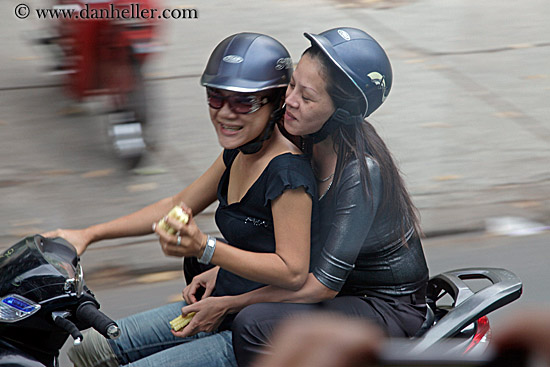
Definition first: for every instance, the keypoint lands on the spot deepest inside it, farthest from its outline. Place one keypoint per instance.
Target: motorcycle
(457, 332)
(43, 300)
(458, 304)
(102, 53)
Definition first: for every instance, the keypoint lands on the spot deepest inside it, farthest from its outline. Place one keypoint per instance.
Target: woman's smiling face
(308, 105)
(235, 129)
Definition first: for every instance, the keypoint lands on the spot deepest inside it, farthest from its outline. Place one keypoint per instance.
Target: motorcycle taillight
(483, 331)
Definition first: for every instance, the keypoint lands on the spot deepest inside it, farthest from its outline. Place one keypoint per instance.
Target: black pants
(254, 325)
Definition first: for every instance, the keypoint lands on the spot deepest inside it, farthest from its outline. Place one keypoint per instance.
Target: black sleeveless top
(248, 224)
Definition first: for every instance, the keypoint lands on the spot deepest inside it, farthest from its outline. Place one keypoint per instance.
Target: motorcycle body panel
(463, 318)
(41, 276)
(12, 356)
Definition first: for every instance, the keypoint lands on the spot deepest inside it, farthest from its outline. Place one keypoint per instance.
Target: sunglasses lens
(242, 104)
(215, 100)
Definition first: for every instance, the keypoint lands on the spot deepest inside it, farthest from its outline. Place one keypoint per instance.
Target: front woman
(372, 264)
(265, 188)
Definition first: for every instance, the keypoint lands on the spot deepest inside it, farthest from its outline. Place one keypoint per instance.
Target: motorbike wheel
(127, 120)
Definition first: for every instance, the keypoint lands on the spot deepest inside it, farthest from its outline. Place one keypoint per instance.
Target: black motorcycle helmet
(363, 62)
(248, 63)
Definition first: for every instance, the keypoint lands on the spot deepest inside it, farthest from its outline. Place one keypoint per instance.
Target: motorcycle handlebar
(68, 326)
(87, 312)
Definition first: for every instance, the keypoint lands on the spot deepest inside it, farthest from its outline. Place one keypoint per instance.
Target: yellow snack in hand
(176, 213)
(180, 322)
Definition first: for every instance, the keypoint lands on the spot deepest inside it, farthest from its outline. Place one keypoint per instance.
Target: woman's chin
(229, 143)
(293, 129)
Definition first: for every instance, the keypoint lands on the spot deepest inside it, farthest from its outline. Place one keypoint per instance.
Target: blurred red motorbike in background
(101, 47)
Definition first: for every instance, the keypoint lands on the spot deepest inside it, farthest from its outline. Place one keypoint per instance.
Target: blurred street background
(468, 121)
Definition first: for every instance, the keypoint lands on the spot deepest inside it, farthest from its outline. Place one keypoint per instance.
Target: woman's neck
(275, 145)
(324, 158)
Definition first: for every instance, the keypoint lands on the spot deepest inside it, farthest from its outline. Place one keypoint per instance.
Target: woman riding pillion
(372, 264)
(265, 188)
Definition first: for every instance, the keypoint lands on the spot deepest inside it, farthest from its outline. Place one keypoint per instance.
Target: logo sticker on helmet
(233, 59)
(345, 35)
(378, 80)
(283, 63)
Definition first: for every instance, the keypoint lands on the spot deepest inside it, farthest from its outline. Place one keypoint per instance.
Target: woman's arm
(354, 213)
(287, 267)
(211, 311)
(312, 291)
(197, 196)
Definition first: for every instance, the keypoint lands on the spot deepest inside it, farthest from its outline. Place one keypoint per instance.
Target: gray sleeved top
(361, 252)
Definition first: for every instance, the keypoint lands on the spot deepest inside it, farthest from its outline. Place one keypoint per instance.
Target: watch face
(208, 251)
(211, 241)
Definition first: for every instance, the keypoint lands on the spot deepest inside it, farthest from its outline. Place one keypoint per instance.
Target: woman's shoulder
(290, 162)
(286, 158)
(289, 171)
(352, 177)
(353, 168)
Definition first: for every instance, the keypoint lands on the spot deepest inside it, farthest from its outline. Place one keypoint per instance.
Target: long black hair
(360, 140)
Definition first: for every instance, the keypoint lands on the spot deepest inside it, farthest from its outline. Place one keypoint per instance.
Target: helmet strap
(255, 145)
(338, 118)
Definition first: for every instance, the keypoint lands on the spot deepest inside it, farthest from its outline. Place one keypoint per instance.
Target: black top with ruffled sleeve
(248, 224)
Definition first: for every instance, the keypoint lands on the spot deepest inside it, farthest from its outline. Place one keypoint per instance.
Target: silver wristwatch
(208, 250)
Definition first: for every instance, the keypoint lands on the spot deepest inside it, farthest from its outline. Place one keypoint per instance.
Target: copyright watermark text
(105, 11)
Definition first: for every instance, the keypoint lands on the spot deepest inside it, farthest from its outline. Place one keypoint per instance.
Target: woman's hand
(206, 280)
(210, 312)
(188, 240)
(76, 237)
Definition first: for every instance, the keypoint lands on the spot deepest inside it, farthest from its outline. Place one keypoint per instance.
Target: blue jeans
(146, 341)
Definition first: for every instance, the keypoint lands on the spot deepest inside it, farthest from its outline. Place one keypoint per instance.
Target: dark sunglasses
(238, 103)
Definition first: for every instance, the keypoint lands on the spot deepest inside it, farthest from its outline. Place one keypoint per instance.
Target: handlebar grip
(87, 312)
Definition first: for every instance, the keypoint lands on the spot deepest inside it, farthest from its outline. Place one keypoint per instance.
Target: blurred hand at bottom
(529, 331)
(323, 340)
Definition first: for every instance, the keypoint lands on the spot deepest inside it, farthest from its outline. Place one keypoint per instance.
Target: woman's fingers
(178, 238)
(77, 238)
(178, 226)
(191, 328)
(51, 234)
(175, 245)
(186, 209)
(207, 291)
(189, 293)
(207, 318)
